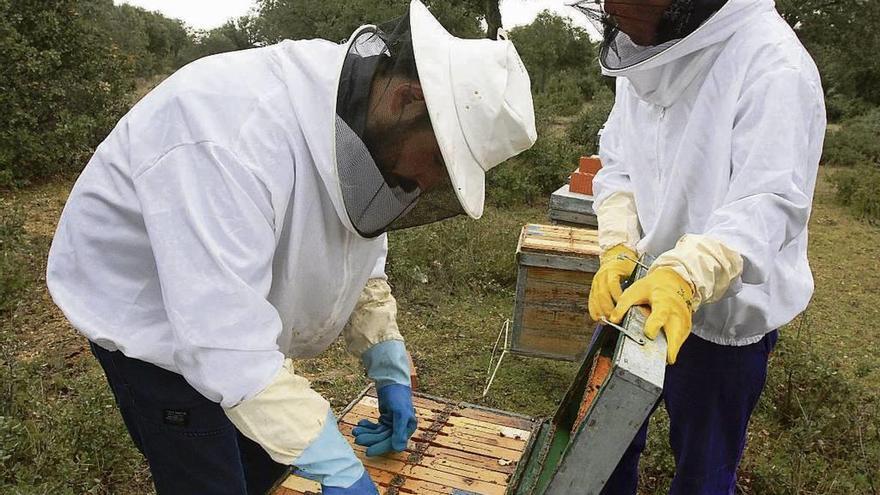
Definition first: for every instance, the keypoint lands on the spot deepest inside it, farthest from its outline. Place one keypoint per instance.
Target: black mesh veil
(673, 23)
(391, 172)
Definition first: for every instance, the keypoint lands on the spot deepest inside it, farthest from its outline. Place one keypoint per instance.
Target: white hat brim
(431, 47)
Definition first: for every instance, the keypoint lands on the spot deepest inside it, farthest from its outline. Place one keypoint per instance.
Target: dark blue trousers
(190, 444)
(710, 394)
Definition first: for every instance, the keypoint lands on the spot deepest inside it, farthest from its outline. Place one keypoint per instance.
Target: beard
(385, 142)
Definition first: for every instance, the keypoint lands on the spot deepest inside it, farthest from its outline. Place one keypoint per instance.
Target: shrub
(563, 96)
(535, 173)
(856, 141)
(859, 189)
(840, 107)
(585, 129)
(13, 277)
(64, 86)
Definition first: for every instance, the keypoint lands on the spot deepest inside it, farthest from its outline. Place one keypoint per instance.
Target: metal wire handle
(490, 373)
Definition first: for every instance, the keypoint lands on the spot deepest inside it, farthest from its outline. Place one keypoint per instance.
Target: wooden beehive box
(572, 204)
(555, 270)
(571, 208)
(458, 449)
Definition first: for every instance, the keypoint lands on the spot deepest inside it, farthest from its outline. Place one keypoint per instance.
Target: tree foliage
(151, 42)
(336, 20)
(63, 85)
(561, 61)
(843, 37)
(552, 44)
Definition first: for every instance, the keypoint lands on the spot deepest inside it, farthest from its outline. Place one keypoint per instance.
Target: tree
(335, 20)
(237, 34)
(63, 85)
(843, 37)
(552, 44)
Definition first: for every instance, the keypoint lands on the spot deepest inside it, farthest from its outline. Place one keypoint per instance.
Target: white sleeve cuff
(374, 319)
(284, 418)
(706, 263)
(618, 221)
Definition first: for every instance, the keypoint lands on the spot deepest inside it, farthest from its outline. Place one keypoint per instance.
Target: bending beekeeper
(235, 220)
(710, 159)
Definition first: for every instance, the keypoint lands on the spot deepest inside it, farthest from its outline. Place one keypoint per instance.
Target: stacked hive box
(572, 204)
(555, 270)
(457, 449)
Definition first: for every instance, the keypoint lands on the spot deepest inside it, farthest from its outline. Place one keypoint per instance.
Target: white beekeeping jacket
(721, 136)
(207, 234)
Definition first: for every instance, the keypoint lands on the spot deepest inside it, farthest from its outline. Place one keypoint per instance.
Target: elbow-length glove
(671, 299)
(618, 234)
(296, 427)
(330, 461)
(388, 365)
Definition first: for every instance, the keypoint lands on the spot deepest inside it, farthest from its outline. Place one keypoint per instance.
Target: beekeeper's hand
(388, 365)
(363, 486)
(671, 299)
(330, 460)
(617, 264)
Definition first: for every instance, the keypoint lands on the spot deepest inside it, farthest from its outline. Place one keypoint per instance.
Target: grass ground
(816, 430)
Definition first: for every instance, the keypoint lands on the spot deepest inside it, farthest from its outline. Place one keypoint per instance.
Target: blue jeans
(190, 444)
(710, 394)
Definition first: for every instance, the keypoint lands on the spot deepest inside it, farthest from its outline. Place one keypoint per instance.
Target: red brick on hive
(589, 165)
(582, 179)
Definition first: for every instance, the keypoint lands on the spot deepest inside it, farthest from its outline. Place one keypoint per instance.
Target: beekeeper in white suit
(234, 219)
(710, 158)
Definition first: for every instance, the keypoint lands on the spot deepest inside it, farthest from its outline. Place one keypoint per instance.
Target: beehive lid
(559, 240)
(559, 247)
(458, 449)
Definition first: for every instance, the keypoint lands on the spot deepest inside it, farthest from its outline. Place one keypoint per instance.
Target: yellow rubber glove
(671, 300)
(616, 265)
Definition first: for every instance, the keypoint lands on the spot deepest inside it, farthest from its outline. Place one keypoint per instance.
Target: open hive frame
(458, 449)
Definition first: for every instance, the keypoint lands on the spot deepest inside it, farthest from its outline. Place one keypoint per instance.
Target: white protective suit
(717, 142)
(208, 236)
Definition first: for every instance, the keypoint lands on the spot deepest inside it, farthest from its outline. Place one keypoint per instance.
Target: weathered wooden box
(571, 208)
(458, 449)
(556, 265)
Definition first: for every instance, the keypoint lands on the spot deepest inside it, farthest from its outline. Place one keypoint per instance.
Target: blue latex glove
(388, 366)
(363, 486)
(330, 460)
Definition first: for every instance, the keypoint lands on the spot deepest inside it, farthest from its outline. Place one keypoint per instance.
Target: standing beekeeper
(235, 219)
(710, 158)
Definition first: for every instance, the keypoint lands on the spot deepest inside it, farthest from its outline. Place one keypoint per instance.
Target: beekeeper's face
(637, 18)
(402, 140)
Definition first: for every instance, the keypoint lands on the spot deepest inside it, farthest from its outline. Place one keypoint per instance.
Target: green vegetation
(63, 83)
(816, 430)
(70, 66)
(842, 37)
(561, 61)
(853, 148)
